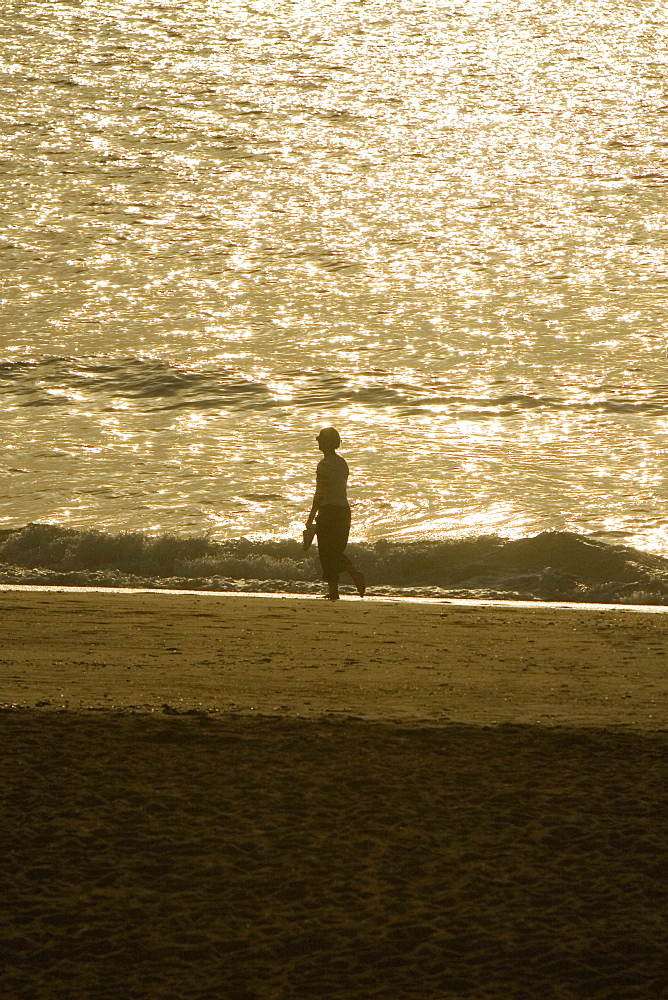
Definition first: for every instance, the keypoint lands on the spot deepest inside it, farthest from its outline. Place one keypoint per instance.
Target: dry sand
(271, 798)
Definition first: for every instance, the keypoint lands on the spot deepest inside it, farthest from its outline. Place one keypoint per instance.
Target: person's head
(329, 440)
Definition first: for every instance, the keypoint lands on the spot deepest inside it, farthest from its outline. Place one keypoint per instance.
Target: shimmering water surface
(439, 226)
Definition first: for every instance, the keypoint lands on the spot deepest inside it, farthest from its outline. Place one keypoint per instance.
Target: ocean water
(440, 227)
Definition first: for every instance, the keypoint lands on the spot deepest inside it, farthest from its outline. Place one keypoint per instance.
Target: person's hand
(307, 536)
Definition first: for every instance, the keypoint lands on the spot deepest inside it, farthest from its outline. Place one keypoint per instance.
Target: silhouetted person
(331, 513)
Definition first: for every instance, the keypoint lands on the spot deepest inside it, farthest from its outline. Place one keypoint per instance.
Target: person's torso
(333, 475)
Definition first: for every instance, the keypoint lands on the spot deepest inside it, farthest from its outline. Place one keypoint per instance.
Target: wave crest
(551, 566)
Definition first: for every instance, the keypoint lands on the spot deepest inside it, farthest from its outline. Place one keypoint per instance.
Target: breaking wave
(552, 566)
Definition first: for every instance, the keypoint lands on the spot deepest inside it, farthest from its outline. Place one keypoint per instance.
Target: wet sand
(422, 662)
(253, 798)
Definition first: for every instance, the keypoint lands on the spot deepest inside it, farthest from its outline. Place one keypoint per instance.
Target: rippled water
(441, 227)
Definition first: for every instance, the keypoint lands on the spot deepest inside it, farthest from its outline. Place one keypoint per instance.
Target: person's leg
(344, 563)
(356, 575)
(346, 566)
(329, 550)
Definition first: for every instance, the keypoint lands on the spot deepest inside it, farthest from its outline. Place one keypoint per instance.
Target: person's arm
(317, 500)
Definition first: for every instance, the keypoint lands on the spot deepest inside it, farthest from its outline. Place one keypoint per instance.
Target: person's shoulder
(332, 462)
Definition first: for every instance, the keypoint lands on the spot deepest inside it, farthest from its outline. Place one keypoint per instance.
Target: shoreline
(369, 598)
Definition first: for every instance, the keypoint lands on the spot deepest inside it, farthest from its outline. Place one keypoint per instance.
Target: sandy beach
(254, 797)
(420, 661)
